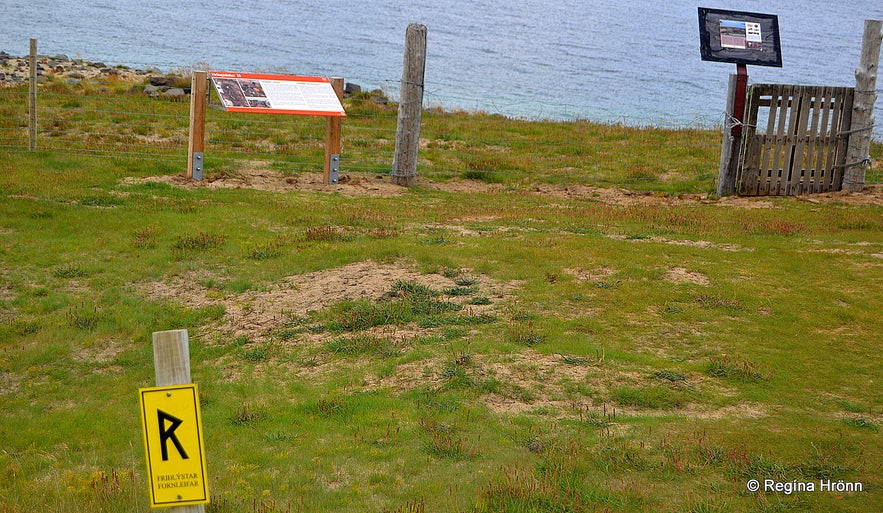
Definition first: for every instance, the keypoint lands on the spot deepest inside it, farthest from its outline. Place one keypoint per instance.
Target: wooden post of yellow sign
(172, 427)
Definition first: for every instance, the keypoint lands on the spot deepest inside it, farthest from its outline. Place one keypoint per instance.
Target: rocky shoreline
(15, 71)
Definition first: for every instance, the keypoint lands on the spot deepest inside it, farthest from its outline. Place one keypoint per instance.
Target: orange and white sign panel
(276, 94)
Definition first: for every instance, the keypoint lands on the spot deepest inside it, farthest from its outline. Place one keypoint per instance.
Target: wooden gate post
(196, 146)
(726, 181)
(171, 362)
(404, 164)
(332, 139)
(32, 97)
(858, 152)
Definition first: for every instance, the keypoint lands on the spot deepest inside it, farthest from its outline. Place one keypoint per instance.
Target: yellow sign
(173, 443)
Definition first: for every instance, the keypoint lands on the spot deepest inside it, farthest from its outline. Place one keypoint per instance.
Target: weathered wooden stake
(404, 164)
(196, 146)
(726, 181)
(32, 98)
(171, 362)
(858, 152)
(332, 139)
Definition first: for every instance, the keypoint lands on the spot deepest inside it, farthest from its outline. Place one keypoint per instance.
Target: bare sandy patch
(100, 352)
(692, 243)
(681, 275)
(256, 313)
(258, 175)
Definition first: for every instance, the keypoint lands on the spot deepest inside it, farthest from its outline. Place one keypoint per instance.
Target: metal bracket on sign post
(334, 168)
(197, 165)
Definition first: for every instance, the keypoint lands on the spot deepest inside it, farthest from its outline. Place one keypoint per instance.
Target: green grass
(535, 353)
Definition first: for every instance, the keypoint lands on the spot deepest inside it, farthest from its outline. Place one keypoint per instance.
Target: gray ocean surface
(625, 61)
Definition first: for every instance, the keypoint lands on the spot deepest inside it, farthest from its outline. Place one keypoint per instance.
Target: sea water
(625, 61)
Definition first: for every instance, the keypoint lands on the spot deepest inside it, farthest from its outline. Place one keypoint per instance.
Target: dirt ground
(257, 313)
(258, 175)
(530, 380)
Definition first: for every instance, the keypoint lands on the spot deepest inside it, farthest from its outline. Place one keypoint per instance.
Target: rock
(59, 69)
(76, 74)
(163, 81)
(62, 57)
(536, 446)
(351, 89)
(175, 92)
(99, 65)
(151, 91)
(4, 55)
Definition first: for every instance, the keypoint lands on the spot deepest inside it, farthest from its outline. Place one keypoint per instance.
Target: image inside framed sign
(739, 37)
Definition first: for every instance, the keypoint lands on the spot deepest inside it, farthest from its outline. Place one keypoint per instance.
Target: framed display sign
(739, 37)
(276, 94)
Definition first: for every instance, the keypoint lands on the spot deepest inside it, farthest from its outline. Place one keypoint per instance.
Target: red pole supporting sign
(739, 101)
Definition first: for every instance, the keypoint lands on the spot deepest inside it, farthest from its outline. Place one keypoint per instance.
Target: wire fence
(113, 119)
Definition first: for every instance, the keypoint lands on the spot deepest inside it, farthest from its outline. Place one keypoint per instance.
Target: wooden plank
(770, 143)
(832, 136)
(842, 146)
(801, 171)
(814, 172)
(790, 141)
(792, 171)
(754, 147)
(769, 147)
(778, 140)
(824, 141)
(747, 170)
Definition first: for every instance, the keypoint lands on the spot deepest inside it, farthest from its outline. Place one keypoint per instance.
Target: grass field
(519, 342)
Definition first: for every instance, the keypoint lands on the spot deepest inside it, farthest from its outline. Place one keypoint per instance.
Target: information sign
(739, 37)
(173, 444)
(276, 94)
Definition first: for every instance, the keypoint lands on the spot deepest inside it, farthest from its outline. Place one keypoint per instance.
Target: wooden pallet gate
(795, 139)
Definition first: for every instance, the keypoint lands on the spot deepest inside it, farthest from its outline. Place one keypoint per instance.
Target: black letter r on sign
(166, 434)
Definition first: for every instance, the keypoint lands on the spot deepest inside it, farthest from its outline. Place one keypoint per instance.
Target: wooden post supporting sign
(196, 146)
(332, 139)
(173, 430)
(263, 93)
